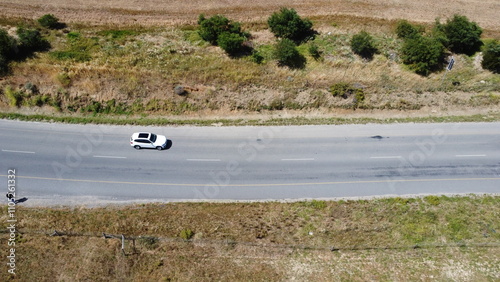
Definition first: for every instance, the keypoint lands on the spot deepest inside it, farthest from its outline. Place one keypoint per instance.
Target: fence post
(123, 245)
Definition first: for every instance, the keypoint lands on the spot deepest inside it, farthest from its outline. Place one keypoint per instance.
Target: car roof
(141, 135)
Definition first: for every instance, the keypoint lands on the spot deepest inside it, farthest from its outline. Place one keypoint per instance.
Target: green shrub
(422, 54)
(4, 65)
(462, 35)
(186, 234)
(94, 107)
(287, 24)
(287, 54)
(314, 51)
(257, 57)
(491, 56)
(405, 30)
(30, 41)
(14, 97)
(232, 43)
(50, 21)
(363, 45)
(346, 90)
(210, 29)
(8, 46)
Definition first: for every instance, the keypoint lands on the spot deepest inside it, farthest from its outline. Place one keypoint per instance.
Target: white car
(148, 140)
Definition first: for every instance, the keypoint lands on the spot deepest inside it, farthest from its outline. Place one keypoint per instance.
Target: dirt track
(158, 12)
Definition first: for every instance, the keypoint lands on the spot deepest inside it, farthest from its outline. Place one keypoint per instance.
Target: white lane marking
(203, 160)
(110, 157)
(305, 159)
(469, 156)
(22, 152)
(387, 157)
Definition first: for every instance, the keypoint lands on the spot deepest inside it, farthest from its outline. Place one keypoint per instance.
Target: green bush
(14, 97)
(491, 56)
(462, 35)
(287, 54)
(314, 51)
(30, 41)
(210, 29)
(8, 47)
(346, 90)
(8, 44)
(4, 65)
(363, 45)
(232, 43)
(186, 234)
(422, 54)
(50, 21)
(405, 30)
(257, 57)
(287, 24)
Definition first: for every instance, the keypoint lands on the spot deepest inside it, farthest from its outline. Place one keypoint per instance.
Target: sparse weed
(186, 234)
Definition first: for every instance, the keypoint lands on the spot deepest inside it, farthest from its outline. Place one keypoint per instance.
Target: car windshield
(152, 138)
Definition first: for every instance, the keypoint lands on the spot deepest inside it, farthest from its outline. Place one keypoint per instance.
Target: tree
(8, 48)
(287, 54)
(30, 41)
(462, 35)
(232, 43)
(491, 56)
(50, 21)
(287, 24)
(405, 30)
(363, 45)
(8, 44)
(422, 54)
(212, 28)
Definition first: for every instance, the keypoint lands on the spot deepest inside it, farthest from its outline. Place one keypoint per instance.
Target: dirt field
(156, 12)
(411, 239)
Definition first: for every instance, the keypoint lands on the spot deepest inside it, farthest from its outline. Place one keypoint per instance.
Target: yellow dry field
(155, 12)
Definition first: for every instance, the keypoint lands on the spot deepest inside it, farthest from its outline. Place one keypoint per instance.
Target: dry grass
(375, 240)
(146, 66)
(154, 12)
(163, 51)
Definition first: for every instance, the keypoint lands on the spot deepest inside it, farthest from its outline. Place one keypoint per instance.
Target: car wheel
(159, 148)
(137, 147)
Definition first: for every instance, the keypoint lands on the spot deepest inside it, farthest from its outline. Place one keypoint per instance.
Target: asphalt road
(85, 164)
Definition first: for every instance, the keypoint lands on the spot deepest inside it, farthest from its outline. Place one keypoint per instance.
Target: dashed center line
(469, 156)
(386, 157)
(22, 152)
(110, 157)
(203, 160)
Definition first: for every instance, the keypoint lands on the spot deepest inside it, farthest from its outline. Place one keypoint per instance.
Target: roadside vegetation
(226, 67)
(425, 238)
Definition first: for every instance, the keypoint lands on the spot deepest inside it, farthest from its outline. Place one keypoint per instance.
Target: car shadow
(169, 144)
